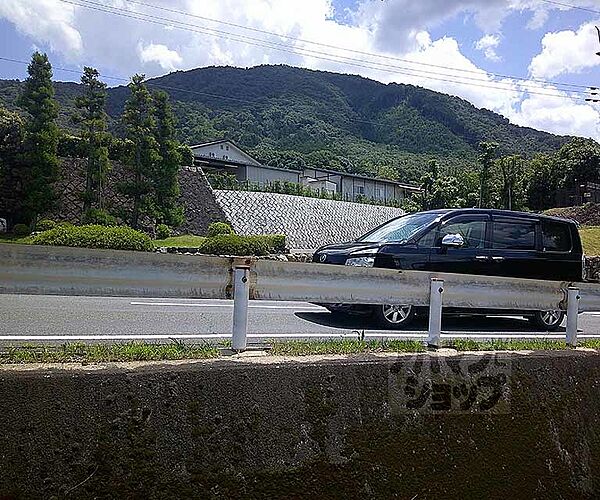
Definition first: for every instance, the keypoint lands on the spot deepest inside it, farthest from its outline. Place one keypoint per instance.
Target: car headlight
(361, 261)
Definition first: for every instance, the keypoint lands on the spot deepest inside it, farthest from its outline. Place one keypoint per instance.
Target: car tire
(548, 321)
(393, 316)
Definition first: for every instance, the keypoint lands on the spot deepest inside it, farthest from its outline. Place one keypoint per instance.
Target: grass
(11, 238)
(185, 240)
(139, 351)
(96, 353)
(590, 237)
(306, 347)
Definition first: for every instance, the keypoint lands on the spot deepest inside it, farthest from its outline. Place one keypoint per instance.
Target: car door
(560, 255)
(472, 257)
(514, 247)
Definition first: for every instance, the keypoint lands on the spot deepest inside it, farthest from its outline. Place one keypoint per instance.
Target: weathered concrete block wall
(593, 268)
(310, 429)
(307, 222)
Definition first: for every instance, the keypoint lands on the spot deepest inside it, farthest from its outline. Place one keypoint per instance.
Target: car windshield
(400, 229)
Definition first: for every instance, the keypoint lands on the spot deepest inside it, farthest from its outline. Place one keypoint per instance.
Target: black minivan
(467, 241)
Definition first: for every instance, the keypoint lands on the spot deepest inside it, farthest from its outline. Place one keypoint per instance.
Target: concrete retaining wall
(308, 223)
(318, 428)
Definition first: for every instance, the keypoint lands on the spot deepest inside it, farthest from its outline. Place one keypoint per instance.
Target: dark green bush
(186, 154)
(162, 232)
(233, 244)
(45, 224)
(95, 236)
(99, 217)
(217, 228)
(21, 229)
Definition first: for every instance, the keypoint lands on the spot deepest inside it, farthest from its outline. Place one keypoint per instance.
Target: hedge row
(94, 236)
(233, 244)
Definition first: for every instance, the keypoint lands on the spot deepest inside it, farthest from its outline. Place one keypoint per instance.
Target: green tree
(40, 167)
(542, 182)
(579, 160)
(486, 161)
(140, 127)
(164, 175)
(12, 133)
(511, 189)
(92, 118)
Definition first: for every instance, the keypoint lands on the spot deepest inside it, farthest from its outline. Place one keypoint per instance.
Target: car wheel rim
(550, 318)
(396, 314)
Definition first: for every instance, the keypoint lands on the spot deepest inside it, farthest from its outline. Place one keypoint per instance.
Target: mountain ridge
(286, 115)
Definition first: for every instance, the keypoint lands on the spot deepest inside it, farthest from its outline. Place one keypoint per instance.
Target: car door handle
(497, 258)
(481, 257)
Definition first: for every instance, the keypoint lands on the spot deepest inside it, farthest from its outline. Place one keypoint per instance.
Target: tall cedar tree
(40, 161)
(92, 118)
(140, 128)
(486, 160)
(164, 176)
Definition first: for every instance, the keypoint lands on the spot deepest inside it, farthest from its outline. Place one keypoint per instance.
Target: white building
(226, 156)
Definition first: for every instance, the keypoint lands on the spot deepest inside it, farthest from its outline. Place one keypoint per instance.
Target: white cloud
(567, 52)
(47, 21)
(558, 115)
(168, 59)
(390, 28)
(488, 45)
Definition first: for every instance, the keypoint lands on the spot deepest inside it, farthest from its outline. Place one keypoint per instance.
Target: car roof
(495, 211)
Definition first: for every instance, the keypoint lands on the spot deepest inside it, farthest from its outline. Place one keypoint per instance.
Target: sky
(530, 60)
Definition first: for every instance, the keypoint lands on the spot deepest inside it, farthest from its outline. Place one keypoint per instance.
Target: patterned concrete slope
(307, 222)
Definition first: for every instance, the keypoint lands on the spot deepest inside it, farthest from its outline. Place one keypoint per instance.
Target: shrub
(233, 244)
(217, 228)
(99, 217)
(45, 224)
(95, 236)
(21, 230)
(162, 232)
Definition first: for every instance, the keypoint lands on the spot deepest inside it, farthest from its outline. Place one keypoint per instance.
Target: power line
(370, 54)
(570, 6)
(311, 53)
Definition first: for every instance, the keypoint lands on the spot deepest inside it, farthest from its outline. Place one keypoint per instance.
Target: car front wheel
(394, 316)
(548, 320)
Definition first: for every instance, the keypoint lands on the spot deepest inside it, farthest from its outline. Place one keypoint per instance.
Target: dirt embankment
(586, 215)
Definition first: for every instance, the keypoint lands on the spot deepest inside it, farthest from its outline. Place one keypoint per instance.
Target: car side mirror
(453, 240)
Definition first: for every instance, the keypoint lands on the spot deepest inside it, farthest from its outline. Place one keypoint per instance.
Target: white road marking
(251, 306)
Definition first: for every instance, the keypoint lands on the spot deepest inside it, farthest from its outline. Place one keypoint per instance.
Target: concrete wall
(311, 429)
(307, 222)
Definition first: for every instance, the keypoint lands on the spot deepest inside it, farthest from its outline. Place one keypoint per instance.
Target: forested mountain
(289, 116)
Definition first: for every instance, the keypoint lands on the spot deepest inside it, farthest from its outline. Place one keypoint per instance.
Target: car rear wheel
(548, 320)
(394, 316)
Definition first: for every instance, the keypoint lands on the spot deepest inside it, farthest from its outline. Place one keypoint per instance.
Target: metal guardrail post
(435, 312)
(241, 296)
(573, 297)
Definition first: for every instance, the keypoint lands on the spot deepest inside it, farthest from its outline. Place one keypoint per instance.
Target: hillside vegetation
(291, 117)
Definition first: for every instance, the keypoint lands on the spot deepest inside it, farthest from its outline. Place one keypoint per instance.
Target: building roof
(251, 161)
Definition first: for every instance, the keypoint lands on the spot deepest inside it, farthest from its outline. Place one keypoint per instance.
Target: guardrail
(28, 269)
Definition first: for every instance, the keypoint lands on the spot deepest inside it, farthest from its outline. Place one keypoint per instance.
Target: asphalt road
(43, 317)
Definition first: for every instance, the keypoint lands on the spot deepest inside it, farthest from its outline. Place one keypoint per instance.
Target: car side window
(513, 234)
(428, 239)
(472, 232)
(556, 237)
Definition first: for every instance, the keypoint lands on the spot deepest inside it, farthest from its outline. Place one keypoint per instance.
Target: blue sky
(453, 46)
